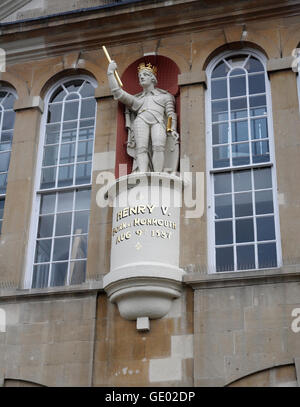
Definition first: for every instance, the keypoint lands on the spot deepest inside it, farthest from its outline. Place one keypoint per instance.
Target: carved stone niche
(145, 276)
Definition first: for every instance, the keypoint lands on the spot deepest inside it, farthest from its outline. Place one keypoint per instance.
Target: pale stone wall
(49, 340)
(243, 325)
(126, 357)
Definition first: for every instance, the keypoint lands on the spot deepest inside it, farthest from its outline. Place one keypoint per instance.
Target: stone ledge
(88, 287)
(103, 92)
(279, 64)
(284, 274)
(33, 102)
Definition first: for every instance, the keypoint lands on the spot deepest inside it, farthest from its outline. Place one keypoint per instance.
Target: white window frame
(10, 90)
(210, 171)
(38, 173)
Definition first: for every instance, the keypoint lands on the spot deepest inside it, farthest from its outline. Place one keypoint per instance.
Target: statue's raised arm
(151, 121)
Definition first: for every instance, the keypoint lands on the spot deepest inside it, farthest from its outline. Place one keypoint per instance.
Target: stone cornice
(115, 26)
(8, 7)
(284, 274)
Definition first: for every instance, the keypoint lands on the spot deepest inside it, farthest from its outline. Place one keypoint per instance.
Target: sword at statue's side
(109, 60)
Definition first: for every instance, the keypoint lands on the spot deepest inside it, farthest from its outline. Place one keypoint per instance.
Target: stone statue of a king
(151, 122)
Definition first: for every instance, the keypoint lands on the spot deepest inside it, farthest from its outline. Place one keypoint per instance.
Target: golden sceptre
(109, 60)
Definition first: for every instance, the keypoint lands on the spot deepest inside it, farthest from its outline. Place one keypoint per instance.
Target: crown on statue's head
(148, 67)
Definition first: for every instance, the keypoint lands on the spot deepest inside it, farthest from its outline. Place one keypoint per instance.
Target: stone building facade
(235, 323)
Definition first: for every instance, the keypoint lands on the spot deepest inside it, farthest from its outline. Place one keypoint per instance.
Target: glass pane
(236, 60)
(264, 202)
(239, 131)
(220, 70)
(262, 178)
(221, 157)
(237, 86)
(4, 161)
(237, 72)
(219, 89)
(220, 133)
(223, 232)
(61, 248)
(224, 259)
(65, 201)
(9, 101)
(87, 123)
(74, 86)
(265, 228)
(240, 154)
(260, 152)
(50, 156)
(59, 274)
(238, 108)
(85, 151)
(245, 257)
(244, 230)
(243, 204)
(6, 136)
(3, 183)
(81, 222)
(40, 276)
(48, 178)
(72, 96)
(219, 111)
(86, 133)
(48, 204)
(2, 203)
(87, 90)
(67, 153)
(54, 113)
(223, 206)
(259, 128)
(8, 120)
(45, 226)
(79, 247)
(5, 146)
(254, 65)
(258, 105)
(65, 175)
(71, 110)
(77, 272)
(88, 108)
(43, 251)
(83, 199)
(222, 183)
(257, 84)
(69, 131)
(58, 95)
(63, 224)
(267, 255)
(52, 133)
(83, 173)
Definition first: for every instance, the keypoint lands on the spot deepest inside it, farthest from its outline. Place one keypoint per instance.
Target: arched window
(242, 204)
(64, 184)
(7, 121)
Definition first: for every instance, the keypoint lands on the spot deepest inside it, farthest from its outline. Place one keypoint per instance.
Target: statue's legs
(159, 138)
(142, 135)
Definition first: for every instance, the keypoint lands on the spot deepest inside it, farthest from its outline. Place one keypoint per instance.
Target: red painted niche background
(167, 76)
